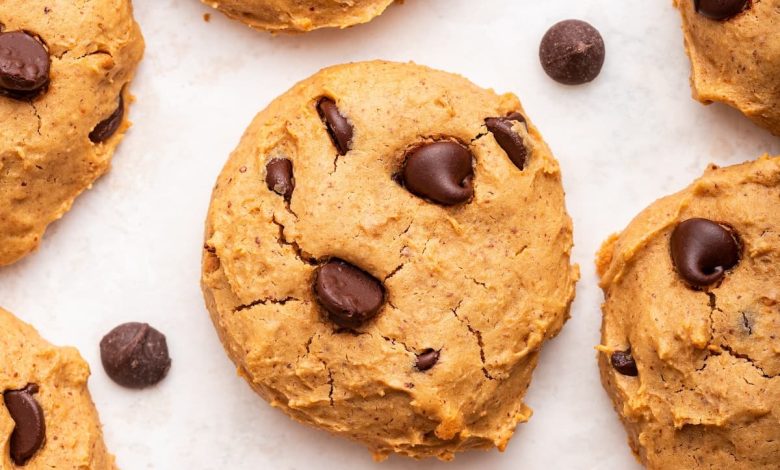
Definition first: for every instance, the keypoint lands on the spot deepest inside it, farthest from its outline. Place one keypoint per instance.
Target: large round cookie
(689, 349)
(734, 47)
(300, 16)
(64, 70)
(381, 265)
(47, 419)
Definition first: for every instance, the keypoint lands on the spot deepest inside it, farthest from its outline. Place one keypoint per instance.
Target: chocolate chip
(572, 52)
(720, 9)
(441, 172)
(279, 177)
(507, 138)
(339, 128)
(135, 355)
(702, 251)
(427, 359)
(624, 363)
(349, 295)
(108, 127)
(30, 430)
(24, 65)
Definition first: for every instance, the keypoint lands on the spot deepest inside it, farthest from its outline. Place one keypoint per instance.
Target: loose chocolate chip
(624, 363)
(339, 128)
(720, 9)
(507, 138)
(349, 295)
(108, 127)
(702, 251)
(441, 172)
(572, 52)
(135, 355)
(279, 177)
(30, 430)
(24, 65)
(427, 359)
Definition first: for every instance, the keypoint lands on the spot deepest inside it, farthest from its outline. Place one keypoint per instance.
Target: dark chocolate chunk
(427, 359)
(135, 355)
(624, 363)
(108, 127)
(702, 251)
(339, 128)
(24, 65)
(30, 430)
(441, 172)
(720, 9)
(279, 177)
(572, 52)
(350, 295)
(508, 139)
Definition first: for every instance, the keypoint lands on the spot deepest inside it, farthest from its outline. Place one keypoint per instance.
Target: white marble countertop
(130, 248)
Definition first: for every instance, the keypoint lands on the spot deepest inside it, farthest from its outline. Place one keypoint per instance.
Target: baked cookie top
(297, 16)
(689, 347)
(386, 251)
(734, 47)
(64, 68)
(47, 419)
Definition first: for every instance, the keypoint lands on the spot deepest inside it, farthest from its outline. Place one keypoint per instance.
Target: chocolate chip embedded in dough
(350, 295)
(427, 359)
(24, 65)
(279, 177)
(508, 138)
(703, 250)
(339, 128)
(624, 363)
(720, 9)
(108, 126)
(441, 172)
(30, 430)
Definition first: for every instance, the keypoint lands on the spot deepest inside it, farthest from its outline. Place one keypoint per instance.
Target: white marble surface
(130, 248)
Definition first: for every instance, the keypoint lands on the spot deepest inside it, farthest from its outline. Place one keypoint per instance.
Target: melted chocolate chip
(624, 363)
(135, 355)
(427, 359)
(720, 9)
(24, 65)
(349, 295)
(30, 430)
(108, 127)
(702, 251)
(339, 128)
(279, 177)
(572, 52)
(441, 172)
(508, 139)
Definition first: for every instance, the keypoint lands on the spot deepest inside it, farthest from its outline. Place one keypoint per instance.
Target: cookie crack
(394, 272)
(267, 300)
(299, 253)
(478, 336)
(38, 116)
(331, 382)
(395, 342)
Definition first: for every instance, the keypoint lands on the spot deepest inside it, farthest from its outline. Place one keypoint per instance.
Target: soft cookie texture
(689, 351)
(47, 419)
(395, 280)
(57, 139)
(300, 16)
(734, 47)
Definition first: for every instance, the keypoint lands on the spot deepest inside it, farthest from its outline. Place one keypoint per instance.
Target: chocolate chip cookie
(296, 16)
(47, 419)
(64, 70)
(689, 351)
(386, 252)
(734, 47)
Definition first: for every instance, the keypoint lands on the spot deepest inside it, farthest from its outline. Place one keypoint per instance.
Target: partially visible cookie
(298, 16)
(64, 71)
(386, 252)
(47, 418)
(690, 353)
(734, 47)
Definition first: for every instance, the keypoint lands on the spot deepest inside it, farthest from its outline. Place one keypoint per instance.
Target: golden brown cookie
(386, 252)
(64, 70)
(689, 351)
(300, 16)
(734, 47)
(47, 419)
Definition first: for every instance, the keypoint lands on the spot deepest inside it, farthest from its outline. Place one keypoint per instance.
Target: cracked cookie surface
(689, 351)
(299, 16)
(56, 425)
(55, 142)
(734, 48)
(394, 282)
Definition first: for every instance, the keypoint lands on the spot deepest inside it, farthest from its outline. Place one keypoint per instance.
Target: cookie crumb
(207, 17)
